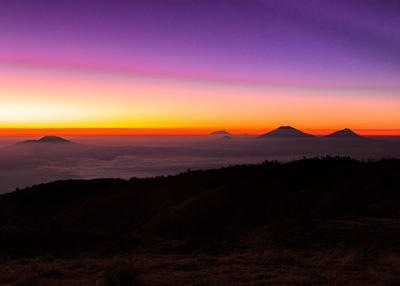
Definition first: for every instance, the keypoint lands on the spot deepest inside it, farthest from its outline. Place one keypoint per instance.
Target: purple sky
(308, 42)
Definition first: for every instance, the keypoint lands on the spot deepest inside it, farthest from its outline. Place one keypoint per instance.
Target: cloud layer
(142, 156)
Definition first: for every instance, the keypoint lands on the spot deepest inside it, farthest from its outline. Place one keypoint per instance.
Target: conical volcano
(286, 132)
(344, 133)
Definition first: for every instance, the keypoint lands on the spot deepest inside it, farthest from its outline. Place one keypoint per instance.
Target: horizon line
(175, 131)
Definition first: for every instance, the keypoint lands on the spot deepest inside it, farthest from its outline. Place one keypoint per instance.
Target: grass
(279, 266)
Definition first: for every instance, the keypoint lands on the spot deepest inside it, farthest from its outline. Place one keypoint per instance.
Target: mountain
(220, 132)
(206, 201)
(286, 132)
(47, 139)
(333, 219)
(211, 202)
(344, 133)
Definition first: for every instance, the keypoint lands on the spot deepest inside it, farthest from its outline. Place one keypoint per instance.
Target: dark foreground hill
(313, 217)
(212, 203)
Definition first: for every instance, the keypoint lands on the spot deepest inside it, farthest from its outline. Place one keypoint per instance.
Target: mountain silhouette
(210, 203)
(286, 132)
(220, 132)
(344, 133)
(238, 217)
(47, 139)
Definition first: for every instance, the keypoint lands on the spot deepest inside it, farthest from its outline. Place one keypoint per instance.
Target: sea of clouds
(23, 165)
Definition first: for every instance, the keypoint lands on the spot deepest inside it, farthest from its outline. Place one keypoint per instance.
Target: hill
(211, 203)
(327, 221)
(286, 132)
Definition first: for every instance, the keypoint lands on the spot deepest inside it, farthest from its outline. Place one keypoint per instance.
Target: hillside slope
(211, 203)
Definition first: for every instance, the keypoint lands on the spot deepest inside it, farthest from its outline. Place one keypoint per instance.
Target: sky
(191, 67)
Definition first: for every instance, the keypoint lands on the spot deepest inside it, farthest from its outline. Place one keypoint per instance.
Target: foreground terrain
(332, 221)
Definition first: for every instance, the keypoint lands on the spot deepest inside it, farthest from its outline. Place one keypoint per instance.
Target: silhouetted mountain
(251, 217)
(211, 203)
(220, 132)
(286, 215)
(286, 132)
(344, 133)
(47, 139)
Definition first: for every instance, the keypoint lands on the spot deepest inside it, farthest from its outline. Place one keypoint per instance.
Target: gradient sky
(194, 66)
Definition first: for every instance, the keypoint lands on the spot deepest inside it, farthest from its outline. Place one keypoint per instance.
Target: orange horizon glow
(140, 68)
(40, 101)
(171, 131)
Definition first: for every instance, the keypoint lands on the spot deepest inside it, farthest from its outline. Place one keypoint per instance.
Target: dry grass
(250, 267)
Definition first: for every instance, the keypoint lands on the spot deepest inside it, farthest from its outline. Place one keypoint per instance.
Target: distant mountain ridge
(286, 132)
(47, 139)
